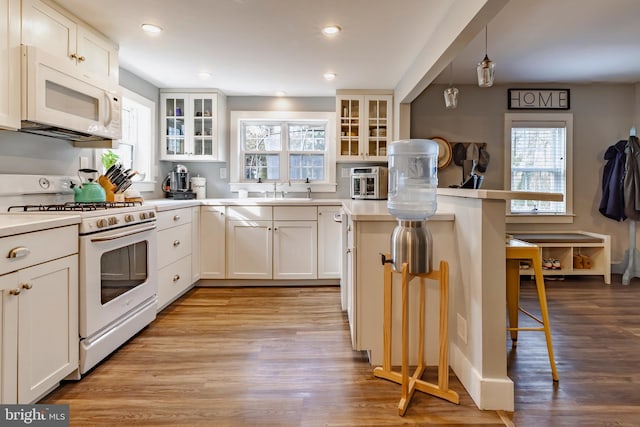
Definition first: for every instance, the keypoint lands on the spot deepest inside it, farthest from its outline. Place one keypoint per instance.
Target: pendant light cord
(486, 37)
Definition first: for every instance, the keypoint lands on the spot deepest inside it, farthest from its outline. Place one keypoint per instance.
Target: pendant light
(451, 93)
(486, 67)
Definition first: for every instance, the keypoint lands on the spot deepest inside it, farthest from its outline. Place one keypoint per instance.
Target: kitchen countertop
(499, 194)
(376, 210)
(369, 210)
(271, 201)
(18, 223)
(168, 204)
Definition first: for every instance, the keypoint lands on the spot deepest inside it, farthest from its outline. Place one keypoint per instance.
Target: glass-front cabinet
(364, 126)
(191, 126)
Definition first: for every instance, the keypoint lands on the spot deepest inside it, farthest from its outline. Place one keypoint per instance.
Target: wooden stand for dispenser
(413, 383)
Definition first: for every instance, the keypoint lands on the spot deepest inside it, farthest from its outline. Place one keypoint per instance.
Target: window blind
(538, 163)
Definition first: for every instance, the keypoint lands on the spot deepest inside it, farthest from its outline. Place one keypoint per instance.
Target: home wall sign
(538, 99)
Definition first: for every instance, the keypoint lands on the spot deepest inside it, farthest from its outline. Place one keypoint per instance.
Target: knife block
(108, 189)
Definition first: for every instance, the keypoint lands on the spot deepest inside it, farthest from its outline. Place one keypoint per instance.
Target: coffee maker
(176, 184)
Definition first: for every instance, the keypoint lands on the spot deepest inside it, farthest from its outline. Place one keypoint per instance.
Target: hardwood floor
(596, 340)
(282, 357)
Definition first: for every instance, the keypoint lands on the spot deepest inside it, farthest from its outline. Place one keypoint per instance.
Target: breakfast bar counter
(468, 231)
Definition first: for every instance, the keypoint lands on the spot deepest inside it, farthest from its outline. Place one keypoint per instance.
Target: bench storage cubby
(569, 248)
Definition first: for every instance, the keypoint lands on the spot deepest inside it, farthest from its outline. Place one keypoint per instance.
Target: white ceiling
(259, 47)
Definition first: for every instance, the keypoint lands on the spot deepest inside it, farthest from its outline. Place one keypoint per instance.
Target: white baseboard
(487, 393)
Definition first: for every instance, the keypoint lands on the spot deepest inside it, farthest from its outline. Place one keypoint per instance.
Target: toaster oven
(369, 182)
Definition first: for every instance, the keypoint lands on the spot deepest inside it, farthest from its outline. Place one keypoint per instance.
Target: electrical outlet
(462, 328)
(346, 172)
(223, 173)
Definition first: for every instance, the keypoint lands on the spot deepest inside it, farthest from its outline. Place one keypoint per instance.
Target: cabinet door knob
(176, 277)
(176, 217)
(176, 243)
(14, 292)
(27, 286)
(348, 251)
(81, 58)
(19, 252)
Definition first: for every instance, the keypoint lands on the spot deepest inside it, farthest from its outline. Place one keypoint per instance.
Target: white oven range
(118, 284)
(117, 273)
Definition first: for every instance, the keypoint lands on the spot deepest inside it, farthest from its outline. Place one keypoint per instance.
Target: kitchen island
(468, 232)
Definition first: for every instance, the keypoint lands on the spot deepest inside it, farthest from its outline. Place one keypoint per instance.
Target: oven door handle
(123, 234)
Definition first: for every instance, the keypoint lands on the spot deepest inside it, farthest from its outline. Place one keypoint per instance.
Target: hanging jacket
(632, 179)
(612, 204)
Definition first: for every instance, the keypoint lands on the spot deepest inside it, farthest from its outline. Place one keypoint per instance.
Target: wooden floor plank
(281, 356)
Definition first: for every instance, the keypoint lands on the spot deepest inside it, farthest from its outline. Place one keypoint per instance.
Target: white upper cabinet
(364, 126)
(193, 126)
(10, 64)
(70, 40)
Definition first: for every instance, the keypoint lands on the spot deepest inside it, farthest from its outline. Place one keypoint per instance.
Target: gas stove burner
(74, 206)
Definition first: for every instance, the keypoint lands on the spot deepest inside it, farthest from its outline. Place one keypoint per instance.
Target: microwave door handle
(109, 112)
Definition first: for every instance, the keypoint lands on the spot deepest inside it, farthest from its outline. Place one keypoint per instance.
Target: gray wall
(602, 115)
(218, 187)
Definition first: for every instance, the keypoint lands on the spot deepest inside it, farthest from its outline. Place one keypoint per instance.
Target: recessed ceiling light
(203, 75)
(151, 28)
(331, 30)
(281, 93)
(329, 76)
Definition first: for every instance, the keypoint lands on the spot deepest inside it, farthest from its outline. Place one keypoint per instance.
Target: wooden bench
(593, 248)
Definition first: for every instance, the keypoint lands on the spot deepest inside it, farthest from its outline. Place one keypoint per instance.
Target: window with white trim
(136, 146)
(278, 146)
(538, 158)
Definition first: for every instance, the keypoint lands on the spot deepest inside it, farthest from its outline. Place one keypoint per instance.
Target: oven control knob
(143, 215)
(113, 220)
(152, 214)
(101, 223)
(129, 218)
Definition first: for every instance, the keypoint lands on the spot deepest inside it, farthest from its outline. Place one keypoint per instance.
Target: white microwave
(58, 102)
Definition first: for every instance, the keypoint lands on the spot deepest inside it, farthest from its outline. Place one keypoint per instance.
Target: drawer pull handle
(176, 243)
(19, 252)
(176, 277)
(176, 217)
(27, 286)
(14, 292)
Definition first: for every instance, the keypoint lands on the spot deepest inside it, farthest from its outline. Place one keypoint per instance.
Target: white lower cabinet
(175, 279)
(349, 281)
(295, 250)
(174, 254)
(212, 242)
(39, 324)
(249, 249)
(265, 242)
(329, 243)
(195, 244)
